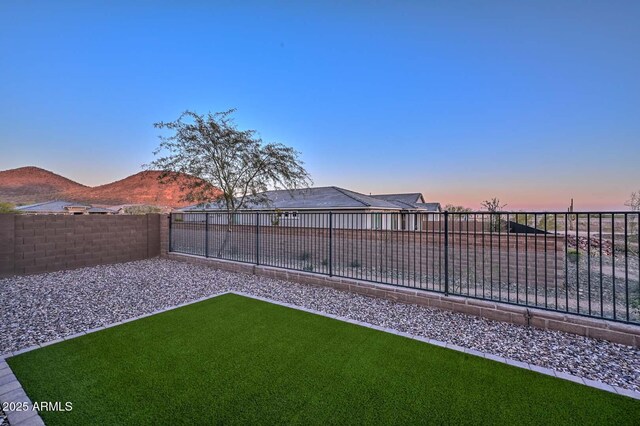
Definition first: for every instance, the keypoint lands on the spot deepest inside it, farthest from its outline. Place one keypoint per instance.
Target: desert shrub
(573, 255)
(8, 208)
(141, 210)
(305, 255)
(547, 222)
(634, 303)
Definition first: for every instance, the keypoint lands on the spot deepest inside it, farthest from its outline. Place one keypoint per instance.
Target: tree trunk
(227, 234)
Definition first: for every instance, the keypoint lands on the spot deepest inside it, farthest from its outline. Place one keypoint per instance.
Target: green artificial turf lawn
(233, 359)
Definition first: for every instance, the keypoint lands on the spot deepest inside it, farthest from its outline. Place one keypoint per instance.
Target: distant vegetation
(141, 210)
(456, 209)
(8, 208)
(634, 202)
(494, 205)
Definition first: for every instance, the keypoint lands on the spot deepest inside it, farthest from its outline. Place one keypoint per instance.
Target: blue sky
(532, 102)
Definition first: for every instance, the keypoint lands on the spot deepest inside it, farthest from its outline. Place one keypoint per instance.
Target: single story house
(412, 200)
(388, 211)
(62, 207)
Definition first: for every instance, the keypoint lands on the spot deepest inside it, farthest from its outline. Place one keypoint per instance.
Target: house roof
(56, 206)
(332, 197)
(431, 207)
(324, 198)
(411, 200)
(59, 206)
(408, 198)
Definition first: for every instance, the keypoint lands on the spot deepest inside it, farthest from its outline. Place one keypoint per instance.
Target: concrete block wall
(44, 243)
(163, 221)
(7, 242)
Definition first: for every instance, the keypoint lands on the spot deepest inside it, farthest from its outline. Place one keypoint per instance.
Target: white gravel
(39, 308)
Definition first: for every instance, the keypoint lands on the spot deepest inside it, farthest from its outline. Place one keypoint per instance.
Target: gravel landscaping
(40, 308)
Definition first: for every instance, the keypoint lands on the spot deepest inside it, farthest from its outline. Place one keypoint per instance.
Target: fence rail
(585, 263)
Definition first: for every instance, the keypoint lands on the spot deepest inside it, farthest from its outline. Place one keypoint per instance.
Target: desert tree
(634, 201)
(494, 206)
(211, 152)
(457, 209)
(211, 148)
(634, 204)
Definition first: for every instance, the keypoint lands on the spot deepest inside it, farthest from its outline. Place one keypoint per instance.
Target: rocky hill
(33, 185)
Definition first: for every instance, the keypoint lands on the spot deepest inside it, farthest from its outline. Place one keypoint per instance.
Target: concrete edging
(625, 334)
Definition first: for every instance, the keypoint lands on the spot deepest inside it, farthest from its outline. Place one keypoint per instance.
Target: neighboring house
(62, 207)
(412, 200)
(396, 211)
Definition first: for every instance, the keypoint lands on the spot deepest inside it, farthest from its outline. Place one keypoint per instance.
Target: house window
(394, 222)
(376, 221)
(290, 215)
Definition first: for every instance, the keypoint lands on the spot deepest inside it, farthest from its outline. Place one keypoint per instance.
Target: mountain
(34, 185)
(141, 188)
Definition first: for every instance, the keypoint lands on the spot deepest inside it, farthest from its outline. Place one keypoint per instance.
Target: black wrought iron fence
(582, 263)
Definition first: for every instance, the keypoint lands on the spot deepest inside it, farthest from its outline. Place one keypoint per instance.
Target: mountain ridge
(31, 184)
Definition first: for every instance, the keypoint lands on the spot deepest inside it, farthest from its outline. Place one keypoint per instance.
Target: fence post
(206, 231)
(330, 243)
(446, 253)
(257, 238)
